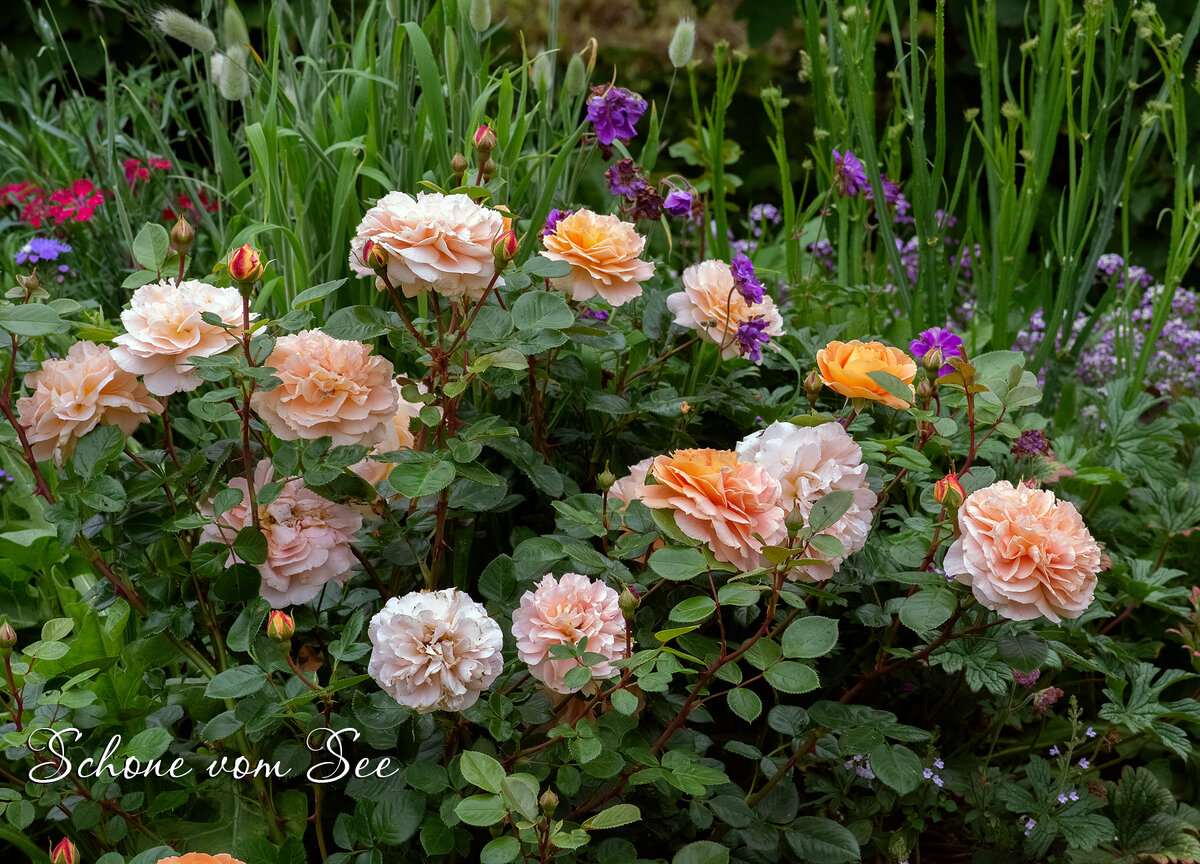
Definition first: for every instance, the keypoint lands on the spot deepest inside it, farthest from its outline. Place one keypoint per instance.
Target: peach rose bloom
(1024, 553)
(328, 386)
(397, 436)
(809, 462)
(603, 253)
(200, 858)
(435, 650)
(434, 242)
(845, 366)
(308, 538)
(719, 500)
(629, 487)
(164, 327)
(561, 612)
(711, 305)
(74, 395)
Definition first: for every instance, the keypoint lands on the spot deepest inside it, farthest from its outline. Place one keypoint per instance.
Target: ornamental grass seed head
(683, 43)
(185, 29)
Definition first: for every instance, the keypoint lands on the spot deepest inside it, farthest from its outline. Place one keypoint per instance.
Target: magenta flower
(941, 339)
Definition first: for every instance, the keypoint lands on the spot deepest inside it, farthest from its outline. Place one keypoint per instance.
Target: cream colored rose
(1024, 553)
(711, 304)
(434, 242)
(603, 253)
(328, 386)
(435, 650)
(164, 326)
(810, 462)
(74, 395)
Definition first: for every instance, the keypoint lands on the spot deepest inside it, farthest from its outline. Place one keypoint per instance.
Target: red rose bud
(375, 256)
(280, 626)
(485, 140)
(949, 492)
(8, 640)
(505, 248)
(182, 235)
(245, 266)
(64, 853)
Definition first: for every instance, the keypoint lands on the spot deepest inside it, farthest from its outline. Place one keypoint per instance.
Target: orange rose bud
(245, 265)
(281, 626)
(375, 256)
(949, 492)
(485, 140)
(505, 248)
(8, 640)
(64, 853)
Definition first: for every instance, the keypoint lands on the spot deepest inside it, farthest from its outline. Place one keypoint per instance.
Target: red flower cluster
(76, 203)
(136, 170)
(186, 206)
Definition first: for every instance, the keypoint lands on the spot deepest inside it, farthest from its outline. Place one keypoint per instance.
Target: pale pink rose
(810, 462)
(164, 327)
(603, 253)
(630, 487)
(711, 304)
(434, 242)
(435, 650)
(719, 500)
(1024, 553)
(397, 436)
(561, 612)
(74, 395)
(328, 386)
(308, 538)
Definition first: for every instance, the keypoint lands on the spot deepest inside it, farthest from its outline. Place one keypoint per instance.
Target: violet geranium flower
(941, 339)
(848, 174)
(614, 112)
(744, 278)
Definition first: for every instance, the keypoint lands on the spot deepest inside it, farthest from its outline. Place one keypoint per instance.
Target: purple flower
(625, 178)
(1062, 797)
(648, 204)
(1074, 796)
(553, 219)
(744, 278)
(751, 336)
(765, 213)
(594, 314)
(1053, 751)
(848, 175)
(1026, 679)
(41, 249)
(943, 340)
(614, 112)
(1084, 764)
(679, 203)
(939, 764)
(1091, 733)
(1032, 443)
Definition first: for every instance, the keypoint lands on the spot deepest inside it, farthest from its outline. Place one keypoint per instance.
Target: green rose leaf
(788, 676)
(810, 637)
(236, 682)
(482, 770)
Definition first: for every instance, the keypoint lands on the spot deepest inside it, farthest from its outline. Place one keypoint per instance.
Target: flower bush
(458, 469)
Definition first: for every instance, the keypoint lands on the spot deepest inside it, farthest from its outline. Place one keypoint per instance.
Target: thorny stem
(247, 391)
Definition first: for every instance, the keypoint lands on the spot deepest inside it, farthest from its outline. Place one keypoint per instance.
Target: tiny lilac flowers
(849, 178)
(746, 281)
(1085, 764)
(624, 178)
(614, 113)
(940, 339)
(751, 336)
(1091, 733)
(41, 249)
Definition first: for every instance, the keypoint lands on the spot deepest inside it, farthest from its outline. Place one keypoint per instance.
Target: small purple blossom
(848, 175)
(1053, 751)
(941, 339)
(1031, 443)
(593, 314)
(1074, 796)
(752, 337)
(679, 203)
(614, 112)
(937, 781)
(1026, 679)
(625, 178)
(939, 764)
(1062, 797)
(553, 219)
(1091, 733)
(1030, 824)
(1085, 764)
(42, 249)
(744, 278)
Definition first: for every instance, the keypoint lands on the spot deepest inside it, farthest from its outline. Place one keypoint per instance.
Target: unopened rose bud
(64, 853)
(30, 283)
(281, 626)
(459, 166)
(485, 141)
(924, 391)
(488, 169)
(629, 602)
(949, 492)
(605, 479)
(375, 256)
(8, 640)
(794, 522)
(549, 803)
(505, 248)
(245, 266)
(182, 235)
(813, 386)
(933, 361)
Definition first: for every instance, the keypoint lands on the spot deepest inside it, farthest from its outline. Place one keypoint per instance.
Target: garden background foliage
(823, 694)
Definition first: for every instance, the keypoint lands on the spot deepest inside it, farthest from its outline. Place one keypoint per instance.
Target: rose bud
(245, 266)
(605, 479)
(812, 387)
(485, 140)
(459, 166)
(933, 362)
(182, 235)
(949, 492)
(505, 248)
(375, 256)
(549, 803)
(64, 853)
(8, 640)
(281, 626)
(629, 602)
